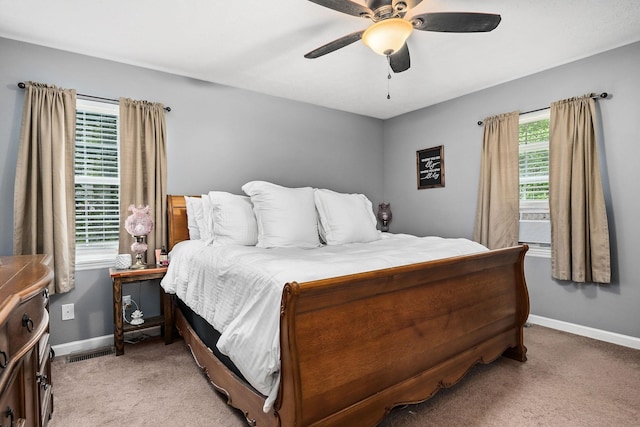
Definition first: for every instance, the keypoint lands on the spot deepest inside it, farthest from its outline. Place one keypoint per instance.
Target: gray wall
(218, 138)
(450, 211)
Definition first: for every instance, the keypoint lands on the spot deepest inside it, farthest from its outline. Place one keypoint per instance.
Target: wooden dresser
(26, 394)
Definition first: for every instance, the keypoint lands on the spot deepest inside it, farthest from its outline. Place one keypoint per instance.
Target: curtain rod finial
(21, 85)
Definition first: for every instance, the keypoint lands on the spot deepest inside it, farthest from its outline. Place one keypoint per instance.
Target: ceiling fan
(388, 34)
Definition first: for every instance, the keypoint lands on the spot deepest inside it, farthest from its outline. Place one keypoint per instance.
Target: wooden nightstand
(165, 320)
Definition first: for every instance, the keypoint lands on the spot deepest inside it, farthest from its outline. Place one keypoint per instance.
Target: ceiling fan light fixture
(386, 37)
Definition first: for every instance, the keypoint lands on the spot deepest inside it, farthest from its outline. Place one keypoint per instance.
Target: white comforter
(238, 288)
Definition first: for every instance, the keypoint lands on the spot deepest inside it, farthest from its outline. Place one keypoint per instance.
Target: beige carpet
(567, 381)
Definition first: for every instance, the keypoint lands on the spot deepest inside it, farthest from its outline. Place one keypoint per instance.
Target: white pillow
(206, 228)
(194, 216)
(286, 216)
(345, 218)
(233, 219)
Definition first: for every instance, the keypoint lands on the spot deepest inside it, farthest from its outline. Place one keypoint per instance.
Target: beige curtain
(143, 169)
(497, 214)
(43, 205)
(579, 227)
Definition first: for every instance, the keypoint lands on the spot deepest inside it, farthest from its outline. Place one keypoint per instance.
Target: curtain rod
(21, 85)
(603, 95)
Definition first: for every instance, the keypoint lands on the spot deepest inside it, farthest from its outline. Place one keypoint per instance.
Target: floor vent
(76, 357)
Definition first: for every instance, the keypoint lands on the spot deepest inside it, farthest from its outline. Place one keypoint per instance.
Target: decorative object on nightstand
(123, 261)
(139, 224)
(385, 215)
(136, 318)
(136, 315)
(164, 256)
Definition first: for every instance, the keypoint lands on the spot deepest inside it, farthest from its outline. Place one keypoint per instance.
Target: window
(535, 227)
(97, 184)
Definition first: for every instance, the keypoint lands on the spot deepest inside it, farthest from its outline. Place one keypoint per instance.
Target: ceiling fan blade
(346, 6)
(456, 22)
(335, 45)
(400, 60)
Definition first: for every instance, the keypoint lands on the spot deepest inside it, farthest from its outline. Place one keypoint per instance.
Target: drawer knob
(4, 360)
(9, 414)
(43, 380)
(27, 323)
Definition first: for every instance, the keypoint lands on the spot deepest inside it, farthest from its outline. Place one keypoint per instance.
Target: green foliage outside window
(534, 160)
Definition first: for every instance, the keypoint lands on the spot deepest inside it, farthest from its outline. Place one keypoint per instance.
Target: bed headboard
(177, 219)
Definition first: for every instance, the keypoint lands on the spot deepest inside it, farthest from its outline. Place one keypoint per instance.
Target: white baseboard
(84, 345)
(95, 343)
(585, 331)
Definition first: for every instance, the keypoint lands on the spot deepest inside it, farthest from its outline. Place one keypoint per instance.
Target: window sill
(94, 259)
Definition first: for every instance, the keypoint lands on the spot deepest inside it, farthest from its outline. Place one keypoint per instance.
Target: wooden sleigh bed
(354, 347)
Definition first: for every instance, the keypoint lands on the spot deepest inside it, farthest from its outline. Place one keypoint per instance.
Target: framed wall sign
(430, 167)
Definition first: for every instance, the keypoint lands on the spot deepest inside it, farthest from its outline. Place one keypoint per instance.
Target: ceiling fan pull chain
(388, 76)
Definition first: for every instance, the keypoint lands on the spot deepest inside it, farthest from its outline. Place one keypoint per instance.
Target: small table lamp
(384, 215)
(139, 224)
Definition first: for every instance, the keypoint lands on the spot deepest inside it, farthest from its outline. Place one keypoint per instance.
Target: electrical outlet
(67, 312)
(126, 300)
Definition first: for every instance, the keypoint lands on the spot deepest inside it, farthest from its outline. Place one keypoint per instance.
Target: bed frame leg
(518, 353)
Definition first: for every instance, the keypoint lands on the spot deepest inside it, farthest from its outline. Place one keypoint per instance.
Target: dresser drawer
(43, 380)
(5, 353)
(12, 411)
(26, 390)
(24, 325)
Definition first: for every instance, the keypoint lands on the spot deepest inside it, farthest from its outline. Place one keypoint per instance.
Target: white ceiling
(259, 45)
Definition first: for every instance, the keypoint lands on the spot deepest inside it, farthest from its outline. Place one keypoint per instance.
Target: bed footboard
(354, 347)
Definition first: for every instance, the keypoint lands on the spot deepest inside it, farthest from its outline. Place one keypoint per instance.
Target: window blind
(534, 160)
(535, 228)
(97, 182)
